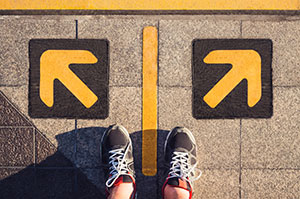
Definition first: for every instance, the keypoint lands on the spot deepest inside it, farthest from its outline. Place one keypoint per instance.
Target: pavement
(60, 158)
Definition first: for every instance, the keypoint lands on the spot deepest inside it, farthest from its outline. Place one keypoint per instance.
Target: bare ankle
(121, 191)
(171, 192)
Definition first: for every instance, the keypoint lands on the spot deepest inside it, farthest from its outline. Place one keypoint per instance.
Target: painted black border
(48, 112)
(244, 113)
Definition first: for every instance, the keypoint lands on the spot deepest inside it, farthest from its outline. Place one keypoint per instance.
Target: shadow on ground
(74, 170)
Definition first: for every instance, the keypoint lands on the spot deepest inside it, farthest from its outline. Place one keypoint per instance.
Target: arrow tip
(91, 101)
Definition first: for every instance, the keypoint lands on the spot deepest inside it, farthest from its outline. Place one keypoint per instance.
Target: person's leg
(116, 151)
(180, 154)
(124, 190)
(175, 193)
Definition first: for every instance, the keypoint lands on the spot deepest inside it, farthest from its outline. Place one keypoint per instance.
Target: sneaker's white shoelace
(180, 168)
(118, 165)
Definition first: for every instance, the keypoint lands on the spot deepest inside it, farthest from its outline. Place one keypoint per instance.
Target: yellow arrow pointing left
(54, 64)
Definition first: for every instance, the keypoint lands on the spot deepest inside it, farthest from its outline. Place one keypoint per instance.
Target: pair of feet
(179, 152)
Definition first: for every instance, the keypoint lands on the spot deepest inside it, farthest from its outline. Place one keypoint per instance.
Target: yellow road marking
(149, 145)
(246, 64)
(150, 5)
(55, 65)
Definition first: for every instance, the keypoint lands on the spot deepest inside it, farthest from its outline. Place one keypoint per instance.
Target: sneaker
(117, 157)
(180, 154)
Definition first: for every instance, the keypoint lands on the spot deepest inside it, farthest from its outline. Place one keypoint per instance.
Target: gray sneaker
(117, 157)
(180, 155)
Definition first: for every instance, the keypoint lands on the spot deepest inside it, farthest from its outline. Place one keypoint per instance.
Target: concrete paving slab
(37, 27)
(96, 176)
(33, 147)
(53, 127)
(275, 142)
(9, 115)
(146, 186)
(14, 37)
(285, 36)
(161, 138)
(46, 183)
(47, 155)
(124, 108)
(88, 147)
(16, 147)
(217, 140)
(136, 138)
(14, 60)
(90, 184)
(125, 42)
(175, 46)
(50, 127)
(62, 181)
(18, 96)
(217, 184)
(17, 183)
(271, 183)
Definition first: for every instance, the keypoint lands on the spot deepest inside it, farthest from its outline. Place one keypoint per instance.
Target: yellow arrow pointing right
(246, 64)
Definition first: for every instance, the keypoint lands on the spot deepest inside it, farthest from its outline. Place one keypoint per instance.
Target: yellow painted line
(149, 145)
(150, 4)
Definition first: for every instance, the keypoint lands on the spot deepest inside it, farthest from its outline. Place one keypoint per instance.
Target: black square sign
(68, 78)
(232, 78)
